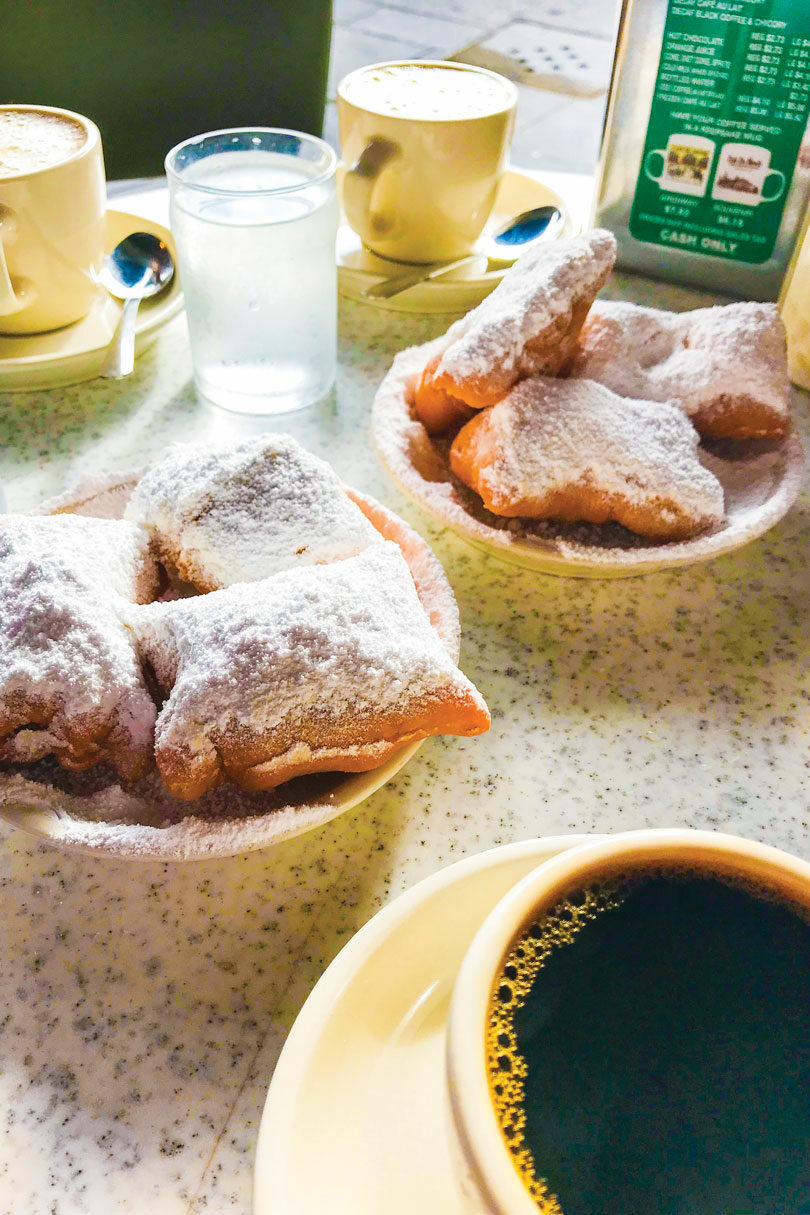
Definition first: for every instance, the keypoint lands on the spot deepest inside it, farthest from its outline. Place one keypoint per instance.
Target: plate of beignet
(222, 653)
(588, 438)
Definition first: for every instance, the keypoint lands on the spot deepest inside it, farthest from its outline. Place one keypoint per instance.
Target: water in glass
(258, 268)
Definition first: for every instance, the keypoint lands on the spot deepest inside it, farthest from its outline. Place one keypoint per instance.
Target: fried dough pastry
(527, 326)
(725, 367)
(327, 668)
(239, 515)
(573, 450)
(70, 682)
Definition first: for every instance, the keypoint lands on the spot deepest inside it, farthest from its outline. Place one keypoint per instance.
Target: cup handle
(358, 187)
(781, 176)
(655, 152)
(13, 298)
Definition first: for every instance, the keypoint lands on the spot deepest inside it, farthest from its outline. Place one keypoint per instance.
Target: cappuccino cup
(424, 146)
(630, 1031)
(52, 217)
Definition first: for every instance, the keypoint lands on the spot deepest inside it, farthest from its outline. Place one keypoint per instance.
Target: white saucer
(760, 483)
(461, 289)
(145, 823)
(74, 354)
(354, 1122)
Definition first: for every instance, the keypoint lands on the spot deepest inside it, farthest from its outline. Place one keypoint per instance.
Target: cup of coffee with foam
(52, 217)
(424, 146)
(630, 1032)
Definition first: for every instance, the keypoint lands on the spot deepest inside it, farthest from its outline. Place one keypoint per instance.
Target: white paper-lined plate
(760, 483)
(92, 812)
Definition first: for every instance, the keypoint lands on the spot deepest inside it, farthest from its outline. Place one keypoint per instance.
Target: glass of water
(254, 215)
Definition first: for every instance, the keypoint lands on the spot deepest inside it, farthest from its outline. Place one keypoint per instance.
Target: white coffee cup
(488, 1180)
(687, 164)
(424, 146)
(52, 219)
(742, 170)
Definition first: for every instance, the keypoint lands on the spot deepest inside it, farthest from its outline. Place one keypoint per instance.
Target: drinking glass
(254, 215)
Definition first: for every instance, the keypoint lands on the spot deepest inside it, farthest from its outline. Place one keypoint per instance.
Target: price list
(730, 107)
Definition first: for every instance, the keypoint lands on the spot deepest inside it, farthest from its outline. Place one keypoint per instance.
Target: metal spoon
(139, 267)
(503, 247)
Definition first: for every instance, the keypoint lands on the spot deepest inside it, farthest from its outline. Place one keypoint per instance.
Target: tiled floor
(563, 47)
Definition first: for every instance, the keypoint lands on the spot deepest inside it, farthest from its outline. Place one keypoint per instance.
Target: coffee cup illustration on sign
(742, 174)
(687, 164)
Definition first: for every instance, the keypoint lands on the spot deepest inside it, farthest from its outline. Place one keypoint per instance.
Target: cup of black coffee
(630, 1034)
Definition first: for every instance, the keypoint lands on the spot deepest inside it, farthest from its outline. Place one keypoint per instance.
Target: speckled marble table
(145, 1004)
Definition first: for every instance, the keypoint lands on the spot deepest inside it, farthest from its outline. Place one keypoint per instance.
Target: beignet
(327, 668)
(528, 326)
(573, 450)
(725, 367)
(70, 683)
(240, 514)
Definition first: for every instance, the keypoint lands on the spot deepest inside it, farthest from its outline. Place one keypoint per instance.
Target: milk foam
(33, 139)
(427, 92)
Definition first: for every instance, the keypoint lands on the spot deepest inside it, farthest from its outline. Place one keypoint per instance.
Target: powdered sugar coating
(327, 645)
(549, 435)
(706, 361)
(70, 682)
(242, 514)
(490, 342)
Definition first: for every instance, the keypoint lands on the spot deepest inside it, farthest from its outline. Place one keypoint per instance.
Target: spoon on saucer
(501, 247)
(139, 267)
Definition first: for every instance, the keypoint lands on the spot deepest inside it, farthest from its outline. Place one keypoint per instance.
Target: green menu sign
(730, 107)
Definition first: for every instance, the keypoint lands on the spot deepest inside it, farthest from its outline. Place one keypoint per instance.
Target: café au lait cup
(687, 162)
(424, 146)
(52, 217)
(538, 1089)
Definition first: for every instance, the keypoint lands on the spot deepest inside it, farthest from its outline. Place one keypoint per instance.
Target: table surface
(146, 1004)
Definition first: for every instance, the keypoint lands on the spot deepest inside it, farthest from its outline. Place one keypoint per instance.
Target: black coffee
(649, 1052)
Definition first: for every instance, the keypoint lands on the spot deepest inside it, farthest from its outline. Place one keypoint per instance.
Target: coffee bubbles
(428, 92)
(648, 1049)
(32, 139)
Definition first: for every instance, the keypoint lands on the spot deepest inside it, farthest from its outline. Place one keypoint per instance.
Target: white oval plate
(354, 1122)
(760, 484)
(75, 353)
(103, 818)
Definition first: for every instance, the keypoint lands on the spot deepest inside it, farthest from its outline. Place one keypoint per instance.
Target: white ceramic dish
(97, 815)
(354, 1122)
(75, 353)
(461, 289)
(760, 482)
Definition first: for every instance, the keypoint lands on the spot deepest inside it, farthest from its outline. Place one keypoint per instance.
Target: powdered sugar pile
(91, 811)
(247, 512)
(700, 360)
(552, 434)
(489, 343)
(67, 662)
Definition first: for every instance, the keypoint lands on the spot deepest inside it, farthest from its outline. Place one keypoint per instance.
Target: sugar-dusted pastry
(239, 514)
(327, 668)
(725, 367)
(527, 326)
(70, 681)
(573, 450)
